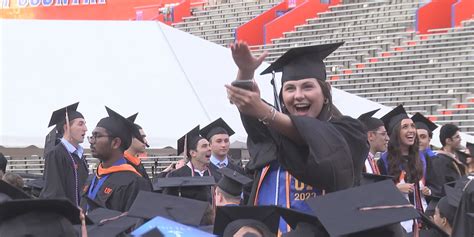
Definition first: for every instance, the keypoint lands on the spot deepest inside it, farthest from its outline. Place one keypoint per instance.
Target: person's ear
(116, 142)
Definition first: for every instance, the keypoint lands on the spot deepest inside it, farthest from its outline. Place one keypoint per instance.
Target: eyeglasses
(94, 137)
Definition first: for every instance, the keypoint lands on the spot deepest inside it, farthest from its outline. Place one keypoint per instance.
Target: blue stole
(429, 152)
(279, 188)
(384, 157)
(94, 189)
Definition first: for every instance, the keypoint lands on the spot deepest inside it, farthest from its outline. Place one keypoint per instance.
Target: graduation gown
(136, 163)
(332, 158)
(60, 175)
(199, 192)
(117, 191)
(463, 225)
(448, 169)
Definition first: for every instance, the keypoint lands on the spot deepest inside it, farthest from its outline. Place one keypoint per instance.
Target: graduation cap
(462, 156)
(371, 123)
(196, 187)
(132, 118)
(34, 186)
(219, 126)
(368, 178)
(394, 117)
(51, 140)
(453, 194)
(188, 141)
(470, 147)
(120, 127)
(183, 210)
(447, 208)
(59, 116)
(160, 226)
(110, 223)
(232, 181)
(431, 225)
(13, 192)
(422, 122)
(301, 63)
(360, 210)
(268, 215)
(62, 207)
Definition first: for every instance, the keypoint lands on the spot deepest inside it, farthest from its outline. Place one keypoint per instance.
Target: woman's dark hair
(395, 159)
(328, 110)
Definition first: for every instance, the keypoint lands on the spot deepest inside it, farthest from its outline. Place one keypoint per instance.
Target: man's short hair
(447, 131)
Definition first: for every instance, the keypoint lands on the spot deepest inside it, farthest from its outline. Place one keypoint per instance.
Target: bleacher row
(383, 59)
(217, 23)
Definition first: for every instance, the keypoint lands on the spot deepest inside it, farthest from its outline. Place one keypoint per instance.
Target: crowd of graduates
(312, 171)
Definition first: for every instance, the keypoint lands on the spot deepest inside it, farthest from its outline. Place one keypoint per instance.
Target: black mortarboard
(58, 117)
(110, 223)
(453, 194)
(470, 147)
(194, 187)
(51, 140)
(370, 123)
(269, 215)
(431, 225)
(62, 207)
(462, 156)
(232, 181)
(447, 209)
(183, 210)
(360, 210)
(219, 126)
(132, 118)
(120, 127)
(12, 192)
(153, 233)
(34, 186)
(394, 117)
(303, 62)
(188, 141)
(422, 122)
(368, 178)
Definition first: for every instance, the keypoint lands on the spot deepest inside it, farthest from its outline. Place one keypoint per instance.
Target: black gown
(198, 192)
(59, 176)
(463, 224)
(117, 192)
(448, 169)
(332, 158)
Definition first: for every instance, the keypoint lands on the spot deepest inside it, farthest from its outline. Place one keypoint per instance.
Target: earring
(326, 101)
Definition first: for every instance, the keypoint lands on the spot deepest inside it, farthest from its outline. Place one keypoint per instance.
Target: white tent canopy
(173, 79)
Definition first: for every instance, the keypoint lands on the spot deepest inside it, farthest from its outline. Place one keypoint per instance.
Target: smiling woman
(306, 148)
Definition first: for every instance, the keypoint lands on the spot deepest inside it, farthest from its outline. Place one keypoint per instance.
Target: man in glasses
(115, 183)
(377, 137)
(448, 166)
(65, 169)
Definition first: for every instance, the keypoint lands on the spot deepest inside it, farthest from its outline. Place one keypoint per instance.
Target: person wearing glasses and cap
(66, 169)
(136, 148)
(306, 149)
(115, 183)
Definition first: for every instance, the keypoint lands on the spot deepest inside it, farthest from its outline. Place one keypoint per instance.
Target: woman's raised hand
(244, 59)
